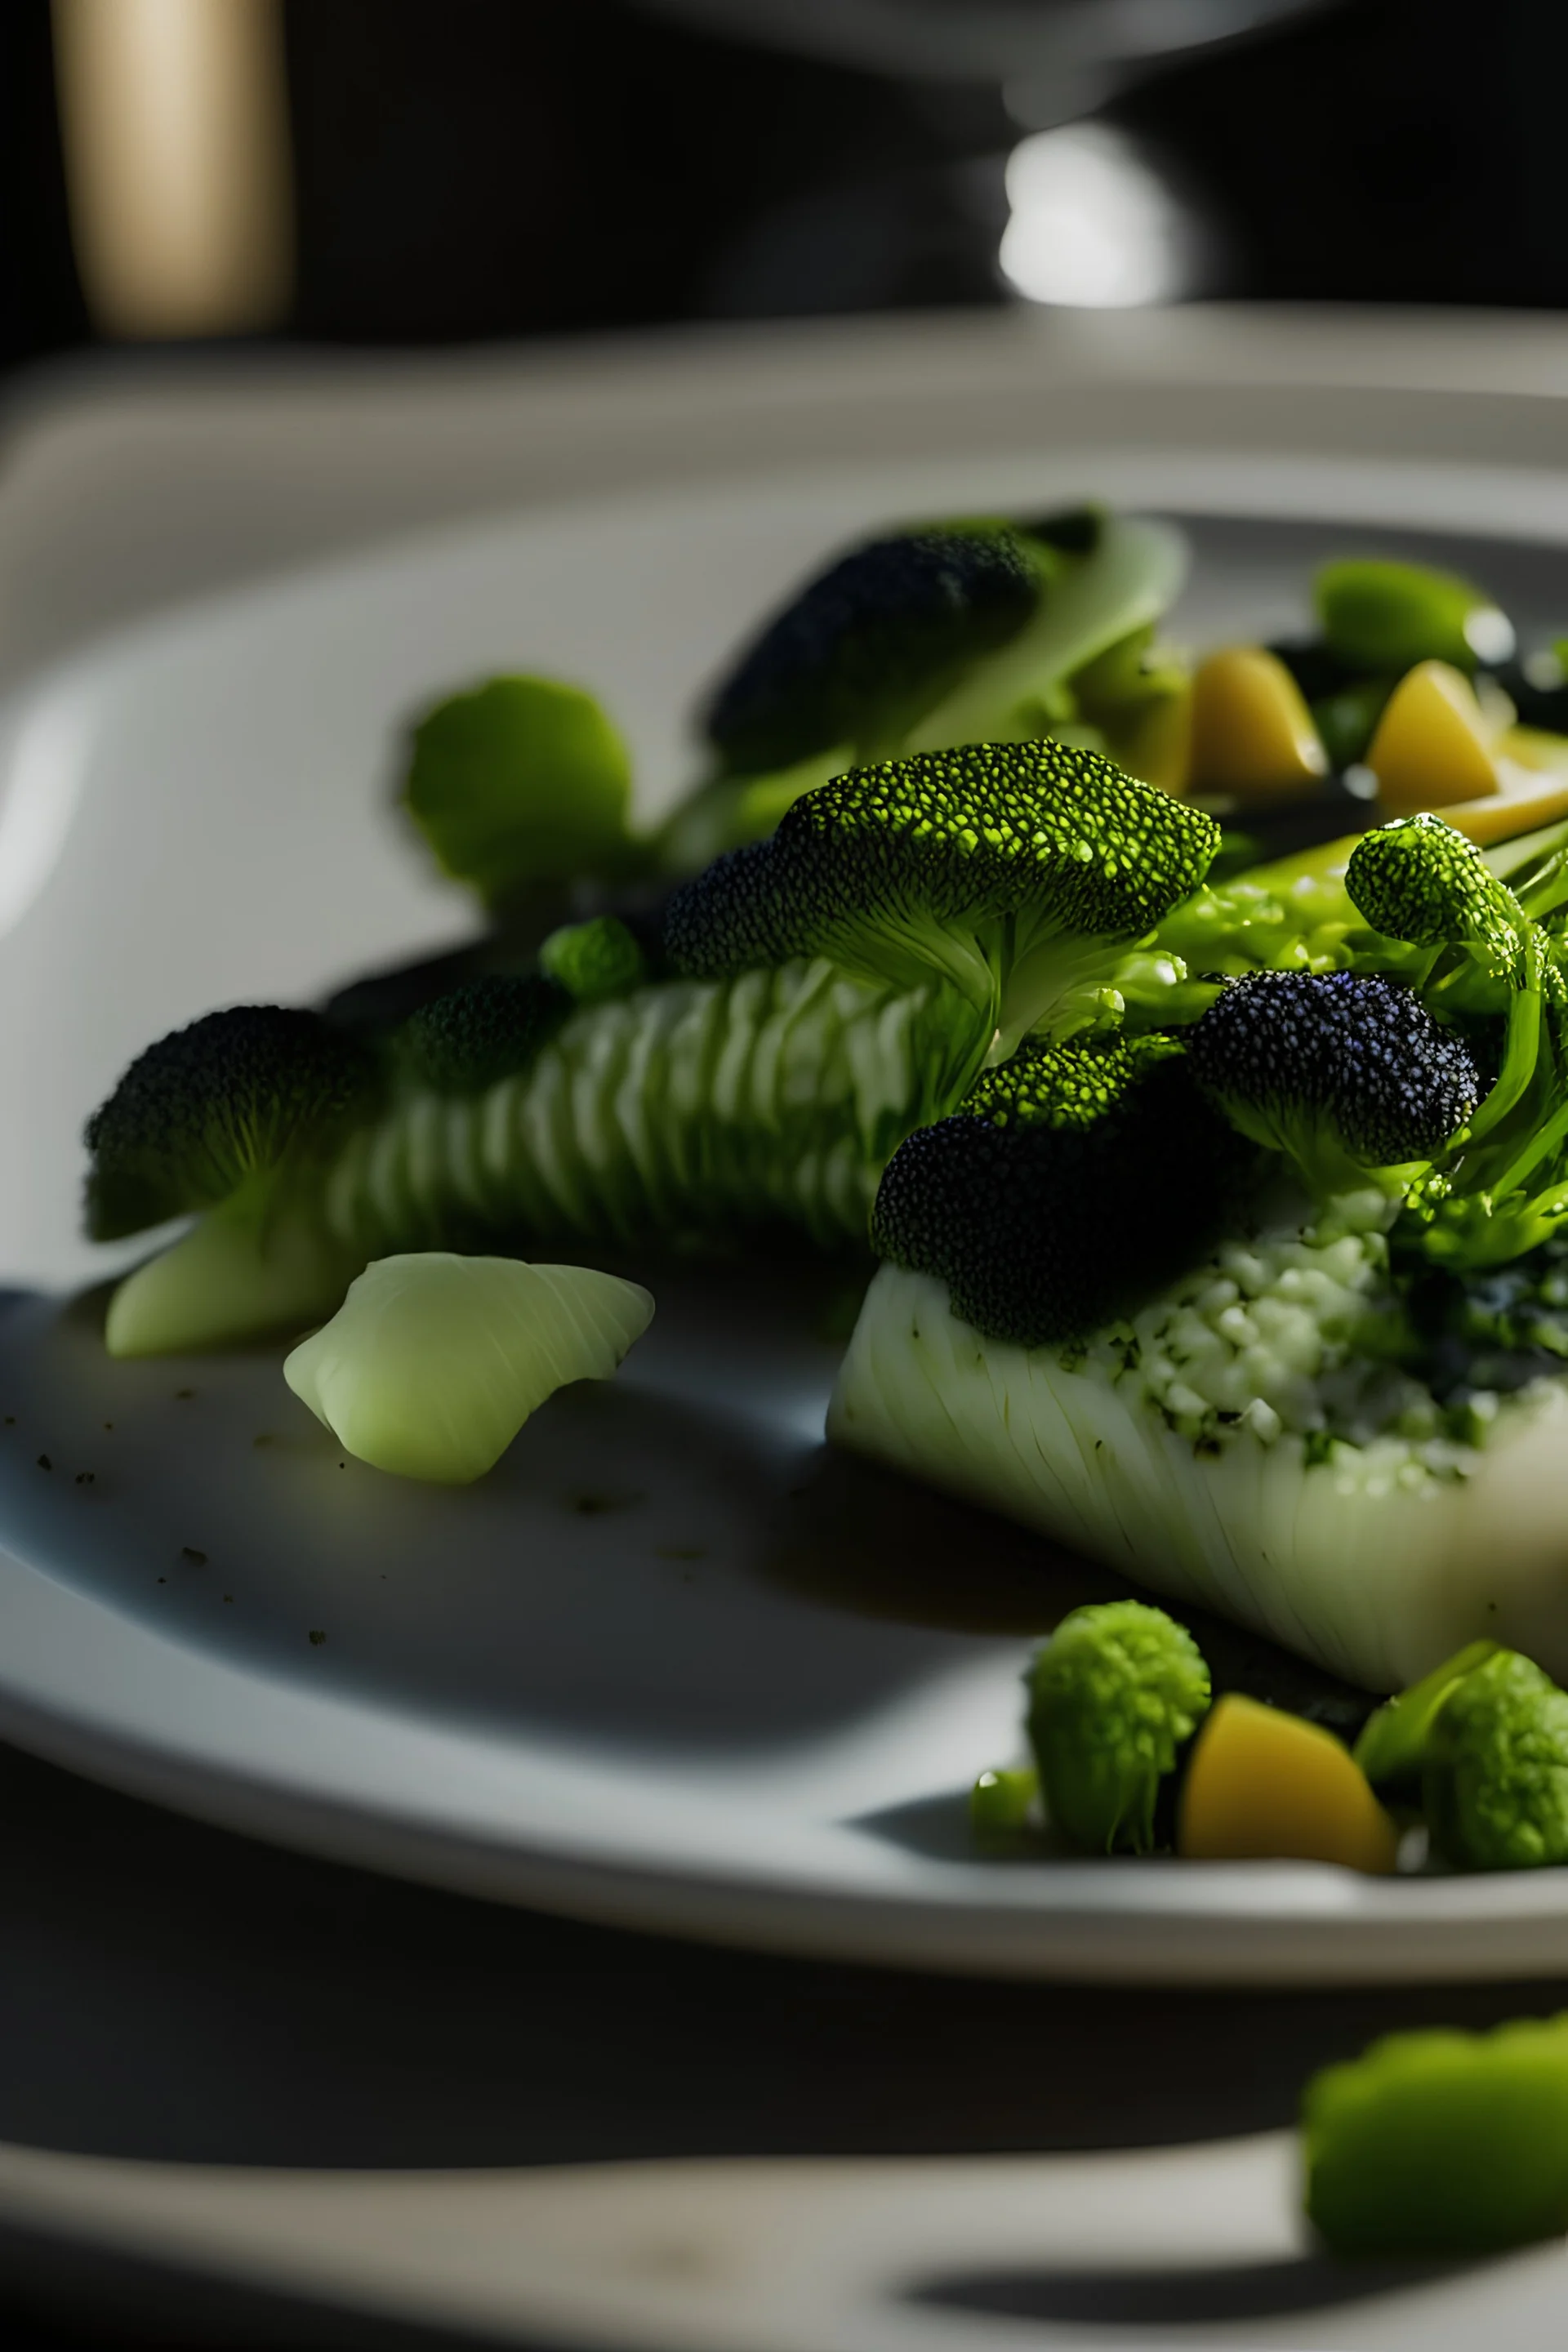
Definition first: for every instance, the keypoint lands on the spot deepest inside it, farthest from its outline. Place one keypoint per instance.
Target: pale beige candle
(174, 120)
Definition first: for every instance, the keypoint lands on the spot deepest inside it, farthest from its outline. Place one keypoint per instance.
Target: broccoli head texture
(975, 864)
(1441, 2143)
(475, 1035)
(1113, 1695)
(1073, 1182)
(593, 960)
(872, 643)
(1345, 1071)
(210, 1106)
(1495, 1782)
(1420, 879)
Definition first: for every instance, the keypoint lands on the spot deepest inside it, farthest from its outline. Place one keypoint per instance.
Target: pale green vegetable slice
(434, 1361)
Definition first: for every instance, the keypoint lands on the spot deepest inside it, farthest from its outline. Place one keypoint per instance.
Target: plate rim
(1367, 1933)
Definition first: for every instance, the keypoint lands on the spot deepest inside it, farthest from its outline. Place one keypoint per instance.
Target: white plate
(669, 1666)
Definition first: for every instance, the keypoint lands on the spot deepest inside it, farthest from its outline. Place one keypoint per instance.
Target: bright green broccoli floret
(1034, 1201)
(1495, 1782)
(1346, 1073)
(1419, 879)
(522, 783)
(1505, 1186)
(1112, 1695)
(1392, 1743)
(1012, 872)
(466, 1041)
(1441, 2144)
(213, 1107)
(866, 647)
(594, 961)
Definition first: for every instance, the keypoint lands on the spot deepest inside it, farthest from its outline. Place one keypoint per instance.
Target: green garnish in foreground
(1113, 1695)
(1441, 2144)
(433, 1362)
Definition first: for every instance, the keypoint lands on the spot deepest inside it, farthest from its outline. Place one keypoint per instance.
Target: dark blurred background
(418, 172)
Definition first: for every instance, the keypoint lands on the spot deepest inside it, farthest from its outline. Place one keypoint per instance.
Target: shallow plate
(672, 1665)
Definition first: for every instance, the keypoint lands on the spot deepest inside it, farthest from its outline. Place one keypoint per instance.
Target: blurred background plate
(672, 1665)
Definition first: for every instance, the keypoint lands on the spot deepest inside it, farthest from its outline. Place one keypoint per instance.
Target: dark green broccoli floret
(1441, 2143)
(1494, 1785)
(872, 643)
(487, 1030)
(1004, 869)
(1112, 1695)
(595, 960)
(205, 1109)
(1074, 1181)
(1344, 1072)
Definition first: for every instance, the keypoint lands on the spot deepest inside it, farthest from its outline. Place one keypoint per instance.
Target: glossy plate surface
(672, 1665)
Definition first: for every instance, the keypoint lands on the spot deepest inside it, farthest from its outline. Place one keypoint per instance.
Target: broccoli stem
(252, 1267)
(685, 1108)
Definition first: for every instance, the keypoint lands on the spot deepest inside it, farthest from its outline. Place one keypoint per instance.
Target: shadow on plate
(1181, 2297)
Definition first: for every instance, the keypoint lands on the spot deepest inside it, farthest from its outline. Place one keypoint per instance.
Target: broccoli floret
(1419, 879)
(1393, 1742)
(522, 783)
(1344, 1072)
(872, 643)
(1073, 1182)
(1494, 1785)
(1009, 871)
(1441, 2143)
(488, 1029)
(594, 961)
(1112, 1695)
(1502, 1191)
(212, 1107)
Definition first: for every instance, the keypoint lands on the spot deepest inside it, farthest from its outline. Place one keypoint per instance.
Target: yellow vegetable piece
(1156, 745)
(1433, 747)
(1252, 734)
(1525, 798)
(1263, 1785)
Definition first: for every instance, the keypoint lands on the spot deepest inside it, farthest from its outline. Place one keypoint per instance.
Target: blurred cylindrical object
(174, 115)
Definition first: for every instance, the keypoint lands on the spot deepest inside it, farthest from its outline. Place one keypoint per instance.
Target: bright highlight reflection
(1092, 224)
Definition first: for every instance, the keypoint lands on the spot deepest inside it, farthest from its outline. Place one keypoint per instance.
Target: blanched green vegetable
(1032, 1201)
(523, 781)
(867, 648)
(593, 960)
(1112, 1695)
(433, 1362)
(1001, 1804)
(216, 1108)
(1392, 1744)
(1441, 2144)
(1378, 614)
(1494, 1784)
(1343, 1073)
(1013, 873)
